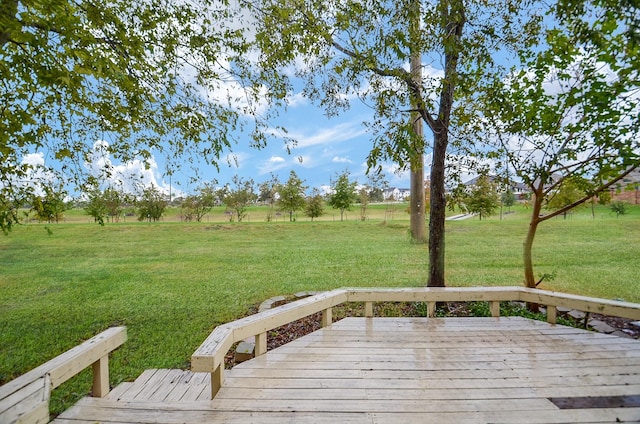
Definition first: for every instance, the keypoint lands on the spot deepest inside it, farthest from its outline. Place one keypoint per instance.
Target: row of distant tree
(483, 198)
(112, 204)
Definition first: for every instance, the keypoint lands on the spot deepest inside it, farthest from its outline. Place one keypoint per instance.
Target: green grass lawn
(171, 283)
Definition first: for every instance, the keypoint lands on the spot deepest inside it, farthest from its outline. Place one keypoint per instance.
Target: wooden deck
(404, 370)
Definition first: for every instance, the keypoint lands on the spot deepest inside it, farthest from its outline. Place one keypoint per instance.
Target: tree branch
(8, 12)
(587, 197)
(397, 73)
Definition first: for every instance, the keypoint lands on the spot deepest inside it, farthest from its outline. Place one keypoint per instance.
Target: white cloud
(274, 163)
(297, 99)
(338, 159)
(130, 177)
(33, 159)
(37, 176)
(336, 134)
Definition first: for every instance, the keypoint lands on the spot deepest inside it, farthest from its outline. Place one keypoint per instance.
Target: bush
(619, 207)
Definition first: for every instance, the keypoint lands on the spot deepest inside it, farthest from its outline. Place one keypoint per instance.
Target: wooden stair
(166, 385)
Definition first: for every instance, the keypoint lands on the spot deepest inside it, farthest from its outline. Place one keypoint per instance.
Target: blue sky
(326, 147)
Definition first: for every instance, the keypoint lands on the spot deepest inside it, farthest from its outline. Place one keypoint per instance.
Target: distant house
(628, 189)
(397, 194)
(520, 190)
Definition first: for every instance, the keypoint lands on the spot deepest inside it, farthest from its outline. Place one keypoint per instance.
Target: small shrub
(619, 208)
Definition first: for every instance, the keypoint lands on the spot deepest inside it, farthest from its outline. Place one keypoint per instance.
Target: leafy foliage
(507, 198)
(268, 191)
(239, 198)
(315, 205)
(345, 50)
(618, 207)
(344, 194)
(108, 204)
(146, 77)
(291, 195)
(196, 206)
(376, 185)
(570, 114)
(482, 198)
(567, 194)
(50, 206)
(151, 206)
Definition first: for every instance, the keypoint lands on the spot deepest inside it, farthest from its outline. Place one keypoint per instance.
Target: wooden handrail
(209, 357)
(26, 398)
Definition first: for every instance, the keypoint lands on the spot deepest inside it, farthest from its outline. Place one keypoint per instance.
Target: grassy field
(171, 283)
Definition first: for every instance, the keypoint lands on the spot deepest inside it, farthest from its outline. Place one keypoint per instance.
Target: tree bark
(529, 279)
(454, 19)
(417, 203)
(437, 211)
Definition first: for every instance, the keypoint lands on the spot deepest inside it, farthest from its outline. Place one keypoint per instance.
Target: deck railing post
(552, 313)
(261, 344)
(217, 378)
(101, 377)
(327, 317)
(494, 306)
(431, 309)
(368, 309)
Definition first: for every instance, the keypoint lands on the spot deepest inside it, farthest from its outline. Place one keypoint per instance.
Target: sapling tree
(343, 194)
(618, 207)
(291, 195)
(482, 198)
(239, 197)
(151, 204)
(315, 205)
(570, 115)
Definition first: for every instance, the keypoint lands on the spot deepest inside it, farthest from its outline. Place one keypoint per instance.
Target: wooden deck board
(396, 370)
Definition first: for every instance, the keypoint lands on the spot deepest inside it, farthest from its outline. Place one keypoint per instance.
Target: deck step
(117, 391)
(164, 385)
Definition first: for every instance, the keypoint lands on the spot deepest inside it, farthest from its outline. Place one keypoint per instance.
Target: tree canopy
(343, 195)
(291, 195)
(239, 198)
(482, 198)
(142, 76)
(348, 50)
(569, 116)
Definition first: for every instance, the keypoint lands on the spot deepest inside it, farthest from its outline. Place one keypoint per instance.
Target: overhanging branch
(397, 73)
(588, 196)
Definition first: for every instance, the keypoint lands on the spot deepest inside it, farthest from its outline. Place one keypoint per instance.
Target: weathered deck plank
(396, 370)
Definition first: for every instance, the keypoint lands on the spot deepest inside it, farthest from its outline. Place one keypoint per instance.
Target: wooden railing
(26, 399)
(209, 357)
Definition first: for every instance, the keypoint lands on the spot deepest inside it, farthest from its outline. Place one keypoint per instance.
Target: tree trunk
(529, 279)
(453, 19)
(437, 211)
(417, 204)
